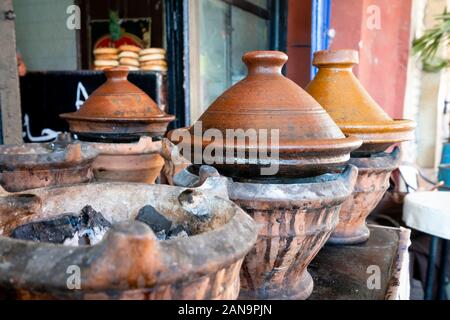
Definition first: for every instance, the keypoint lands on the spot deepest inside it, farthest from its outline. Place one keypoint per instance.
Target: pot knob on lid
(339, 57)
(264, 62)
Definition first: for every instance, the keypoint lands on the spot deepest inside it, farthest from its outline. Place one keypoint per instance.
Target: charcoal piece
(91, 219)
(155, 220)
(179, 231)
(85, 228)
(53, 230)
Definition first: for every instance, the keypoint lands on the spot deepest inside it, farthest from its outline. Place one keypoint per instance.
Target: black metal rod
(177, 33)
(431, 266)
(443, 269)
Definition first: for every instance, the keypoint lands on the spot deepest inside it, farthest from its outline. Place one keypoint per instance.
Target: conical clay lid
(309, 141)
(118, 110)
(337, 89)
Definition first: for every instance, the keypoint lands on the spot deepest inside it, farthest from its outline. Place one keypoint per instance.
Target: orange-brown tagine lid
(118, 110)
(337, 89)
(310, 142)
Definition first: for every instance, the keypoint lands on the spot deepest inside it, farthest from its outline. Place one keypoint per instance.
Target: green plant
(426, 47)
(114, 25)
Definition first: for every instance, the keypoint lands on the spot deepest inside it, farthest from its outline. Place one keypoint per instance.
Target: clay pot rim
(286, 194)
(152, 119)
(380, 162)
(350, 142)
(144, 145)
(319, 146)
(72, 154)
(193, 262)
(396, 125)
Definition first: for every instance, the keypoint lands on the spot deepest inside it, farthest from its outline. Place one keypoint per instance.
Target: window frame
(179, 51)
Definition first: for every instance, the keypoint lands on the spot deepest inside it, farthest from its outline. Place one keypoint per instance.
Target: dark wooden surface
(340, 272)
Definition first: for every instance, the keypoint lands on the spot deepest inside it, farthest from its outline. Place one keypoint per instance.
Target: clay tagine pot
(118, 111)
(310, 143)
(296, 218)
(128, 162)
(35, 165)
(129, 262)
(372, 182)
(341, 94)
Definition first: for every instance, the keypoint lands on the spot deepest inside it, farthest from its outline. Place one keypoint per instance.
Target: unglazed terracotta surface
(341, 94)
(310, 143)
(36, 165)
(128, 162)
(118, 110)
(373, 181)
(129, 263)
(295, 220)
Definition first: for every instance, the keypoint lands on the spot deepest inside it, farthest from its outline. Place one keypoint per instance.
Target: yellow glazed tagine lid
(341, 94)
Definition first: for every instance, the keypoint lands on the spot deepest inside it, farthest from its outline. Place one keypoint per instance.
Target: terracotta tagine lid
(309, 141)
(337, 89)
(118, 110)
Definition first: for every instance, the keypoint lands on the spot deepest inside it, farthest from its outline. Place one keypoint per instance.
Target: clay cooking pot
(118, 110)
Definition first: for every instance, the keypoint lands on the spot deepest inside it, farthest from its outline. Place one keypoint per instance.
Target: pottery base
(300, 291)
(371, 184)
(358, 236)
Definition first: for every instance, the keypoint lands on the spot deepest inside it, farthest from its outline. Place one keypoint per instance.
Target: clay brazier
(373, 180)
(35, 165)
(118, 111)
(297, 206)
(296, 218)
(129, 263)
(349, 104)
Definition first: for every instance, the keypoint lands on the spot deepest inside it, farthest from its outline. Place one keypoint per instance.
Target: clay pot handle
(129, 256)
(395, 154)
(206, 172)
(15, 208)
(173, 161)
(349, 176)
(212, 183)
(73, 153)
(265, 62)
(117, 73)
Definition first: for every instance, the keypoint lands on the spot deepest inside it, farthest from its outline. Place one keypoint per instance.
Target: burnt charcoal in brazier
(155, 220)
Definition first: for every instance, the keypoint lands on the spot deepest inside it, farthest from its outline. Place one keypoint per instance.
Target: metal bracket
(10, 15)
